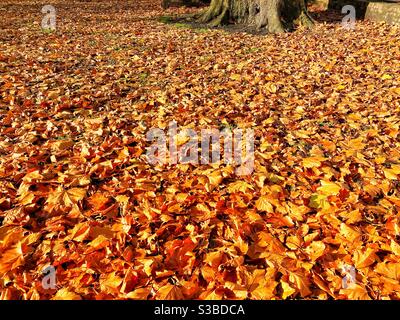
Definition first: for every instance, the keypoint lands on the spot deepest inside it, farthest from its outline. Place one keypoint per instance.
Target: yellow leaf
(390, 270)
(392, 172)
(181, 138)
(169, 292)
(372, 190)
(26, 198)
(312, 162)
(395, 247)
(380, 159)
(214, 258)
(80, 232)
(65, 294)
(356, 292)
(293, 242)
(181, 197)
(239, 186)
(319, 201)
(356, 144)
(122, 199)
(10, 235)
(349, 233)
(99, 243)
(329, 188)
(352, 216)
(364, 259)
(139, 294)
(31, 176)
(236, 77)
(111, 282)
(271, 87)
(394, 200)
(387, 77)
(31, 239)
(315, 250)
(215, 179)
(262, 204)
(301, 283)
(287, 290)
(266, 291)
(275, 178)
(204, 208)
(68, 197)
(11, 259)
(62, 145)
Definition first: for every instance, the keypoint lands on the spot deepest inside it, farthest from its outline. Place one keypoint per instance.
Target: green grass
(143, 77)
(253, 50)
(201, 30)
(48, 30)
(165, 19)
(180, 25)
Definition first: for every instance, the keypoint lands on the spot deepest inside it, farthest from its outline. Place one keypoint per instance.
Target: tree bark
(276, 15)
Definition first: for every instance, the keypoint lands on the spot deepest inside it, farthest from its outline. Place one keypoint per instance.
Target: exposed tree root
(215, 13)
(305, 18)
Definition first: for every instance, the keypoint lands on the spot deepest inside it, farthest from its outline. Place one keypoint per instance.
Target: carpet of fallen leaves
(77, 193)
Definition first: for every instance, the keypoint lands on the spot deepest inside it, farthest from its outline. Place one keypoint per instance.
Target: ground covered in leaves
(76, 191)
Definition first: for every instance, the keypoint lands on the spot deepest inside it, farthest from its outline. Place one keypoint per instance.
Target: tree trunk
(276, 15)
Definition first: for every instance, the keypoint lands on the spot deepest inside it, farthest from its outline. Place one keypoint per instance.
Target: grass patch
(252, 50)
(48, 30)
(143, 77)
(181, 25)
(175, 22)
(201, 30)
(166, 19)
